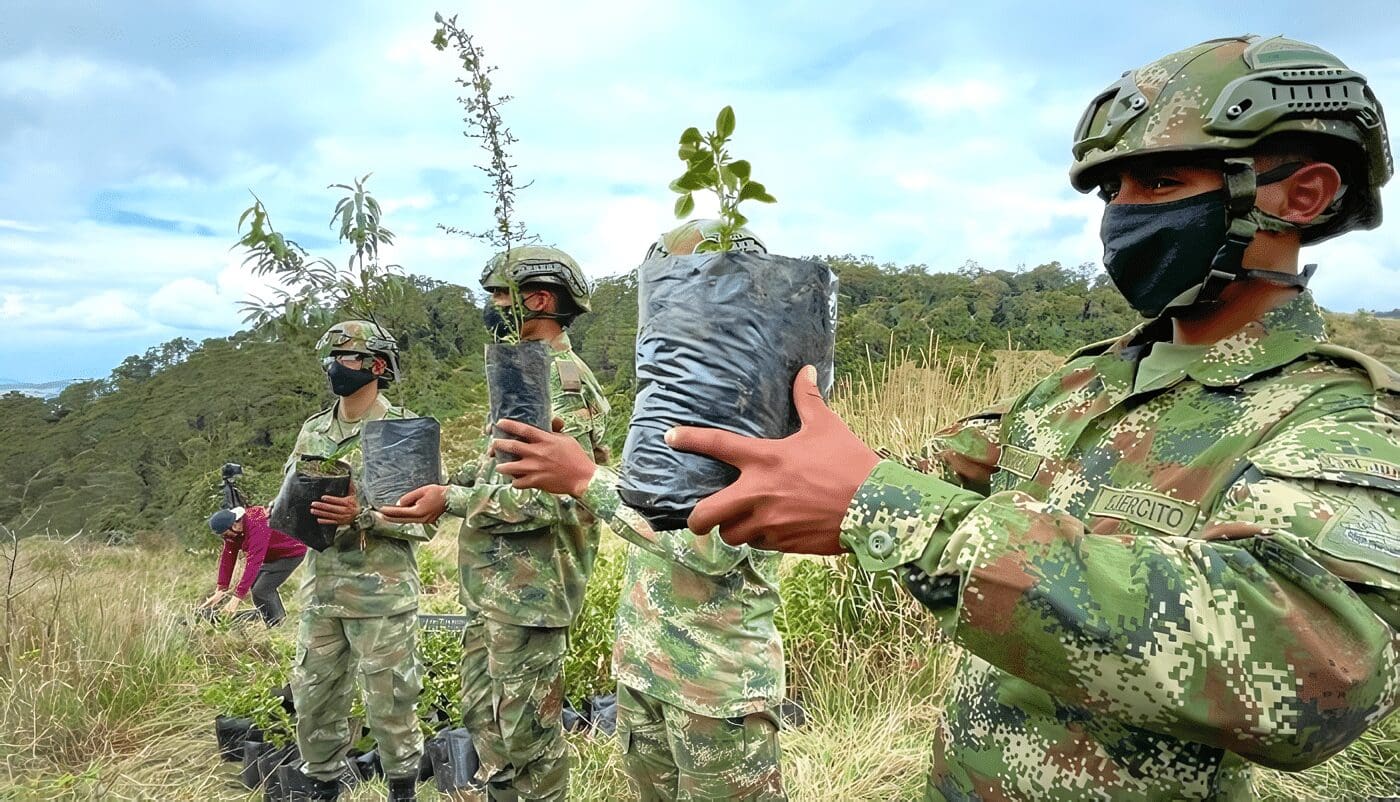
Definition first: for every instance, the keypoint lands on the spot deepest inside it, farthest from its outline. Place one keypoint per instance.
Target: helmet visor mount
(1108, 115)
(337, 339)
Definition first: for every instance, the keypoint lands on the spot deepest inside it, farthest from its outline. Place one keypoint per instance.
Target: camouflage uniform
(698, 660)
(359, 614)
(1181, 561)
(698, 657)
(525, 557)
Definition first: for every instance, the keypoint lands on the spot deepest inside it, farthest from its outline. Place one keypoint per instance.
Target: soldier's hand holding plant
(548, 461)
(421, 506)
(338, 510)
(779, 502)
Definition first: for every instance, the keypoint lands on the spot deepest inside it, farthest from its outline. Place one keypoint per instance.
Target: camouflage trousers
(673, 754)
(513, 700)
(331, 651)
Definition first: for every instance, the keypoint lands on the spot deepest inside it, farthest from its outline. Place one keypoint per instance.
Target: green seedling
(709, 166)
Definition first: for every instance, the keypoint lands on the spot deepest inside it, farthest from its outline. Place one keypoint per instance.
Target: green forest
(140, 450)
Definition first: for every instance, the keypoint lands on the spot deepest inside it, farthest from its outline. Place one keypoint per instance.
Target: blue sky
(934, 133)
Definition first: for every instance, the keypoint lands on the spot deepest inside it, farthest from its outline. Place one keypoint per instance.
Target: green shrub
(441, 654)
(588, 664)
(249, 690)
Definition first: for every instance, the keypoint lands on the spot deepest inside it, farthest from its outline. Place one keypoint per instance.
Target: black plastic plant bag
(517, 378)
(454, 759)
(602, 713)
(268, 766)
(253, 751)
(291, 512)
(400, 455)
(229, 733)
(720, 338)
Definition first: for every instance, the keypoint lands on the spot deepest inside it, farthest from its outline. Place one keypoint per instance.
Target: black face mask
(345, 381)
(1154, 252)
(497, 323)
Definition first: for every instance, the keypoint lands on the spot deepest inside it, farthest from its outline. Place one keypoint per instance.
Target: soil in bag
(291, 512)
(720, 338)
(230, 733)
(400, 455)
(517, 378)
(454, 759)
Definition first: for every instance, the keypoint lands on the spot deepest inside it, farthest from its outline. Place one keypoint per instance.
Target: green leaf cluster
(483, 123)
(311, 288)
(440, 652)
(252, 690)
(709, 166)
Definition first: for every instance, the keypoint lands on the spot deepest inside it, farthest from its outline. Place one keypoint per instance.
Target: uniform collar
(1280, 336)
(377, 410)
(561, 342)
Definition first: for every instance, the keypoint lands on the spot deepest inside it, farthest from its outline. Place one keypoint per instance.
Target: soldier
(1177, 554)
(698, 657)
(359, 596)
(525, 556)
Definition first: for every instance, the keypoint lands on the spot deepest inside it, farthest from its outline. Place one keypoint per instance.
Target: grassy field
(102, 668)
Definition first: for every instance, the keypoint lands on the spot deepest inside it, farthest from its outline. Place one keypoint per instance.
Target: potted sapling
(312, 478)
(517, 371)
(402, 454)
(721, 334)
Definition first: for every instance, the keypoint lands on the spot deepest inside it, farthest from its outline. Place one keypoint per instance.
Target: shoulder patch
(1362, 533)
(570, 376)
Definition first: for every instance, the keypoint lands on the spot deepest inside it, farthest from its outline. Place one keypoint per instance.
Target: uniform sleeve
(963, 454)
(706, 554)
(1271, 634)
(419, 533)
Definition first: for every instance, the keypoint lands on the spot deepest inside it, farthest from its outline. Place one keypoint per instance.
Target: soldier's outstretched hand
(548, 461)
(791, 494)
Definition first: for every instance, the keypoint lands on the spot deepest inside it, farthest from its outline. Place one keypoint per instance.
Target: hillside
(140, 450)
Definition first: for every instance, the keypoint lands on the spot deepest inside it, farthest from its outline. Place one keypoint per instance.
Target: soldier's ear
(541, 300)
(378, 366)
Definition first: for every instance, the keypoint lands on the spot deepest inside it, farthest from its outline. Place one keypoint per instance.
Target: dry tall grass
(902, 402)
(101, 667)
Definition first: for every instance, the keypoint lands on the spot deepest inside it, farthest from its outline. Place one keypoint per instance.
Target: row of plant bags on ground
(449, 758)
(720, 338)
(400, 455)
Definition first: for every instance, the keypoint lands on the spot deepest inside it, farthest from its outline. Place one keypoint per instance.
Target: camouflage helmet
(1224, 96)
(685, 238)
(537, 264)
(362, 337)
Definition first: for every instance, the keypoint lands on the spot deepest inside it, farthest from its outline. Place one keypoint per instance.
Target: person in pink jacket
(271, 558)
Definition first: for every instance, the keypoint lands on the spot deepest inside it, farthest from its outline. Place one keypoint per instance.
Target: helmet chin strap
(1242, 183)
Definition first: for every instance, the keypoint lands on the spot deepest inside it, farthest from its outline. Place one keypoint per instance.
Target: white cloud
(941, 95)
(38, 73)
(876, 134)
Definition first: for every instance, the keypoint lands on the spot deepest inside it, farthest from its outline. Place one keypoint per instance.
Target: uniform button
(880, 544)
